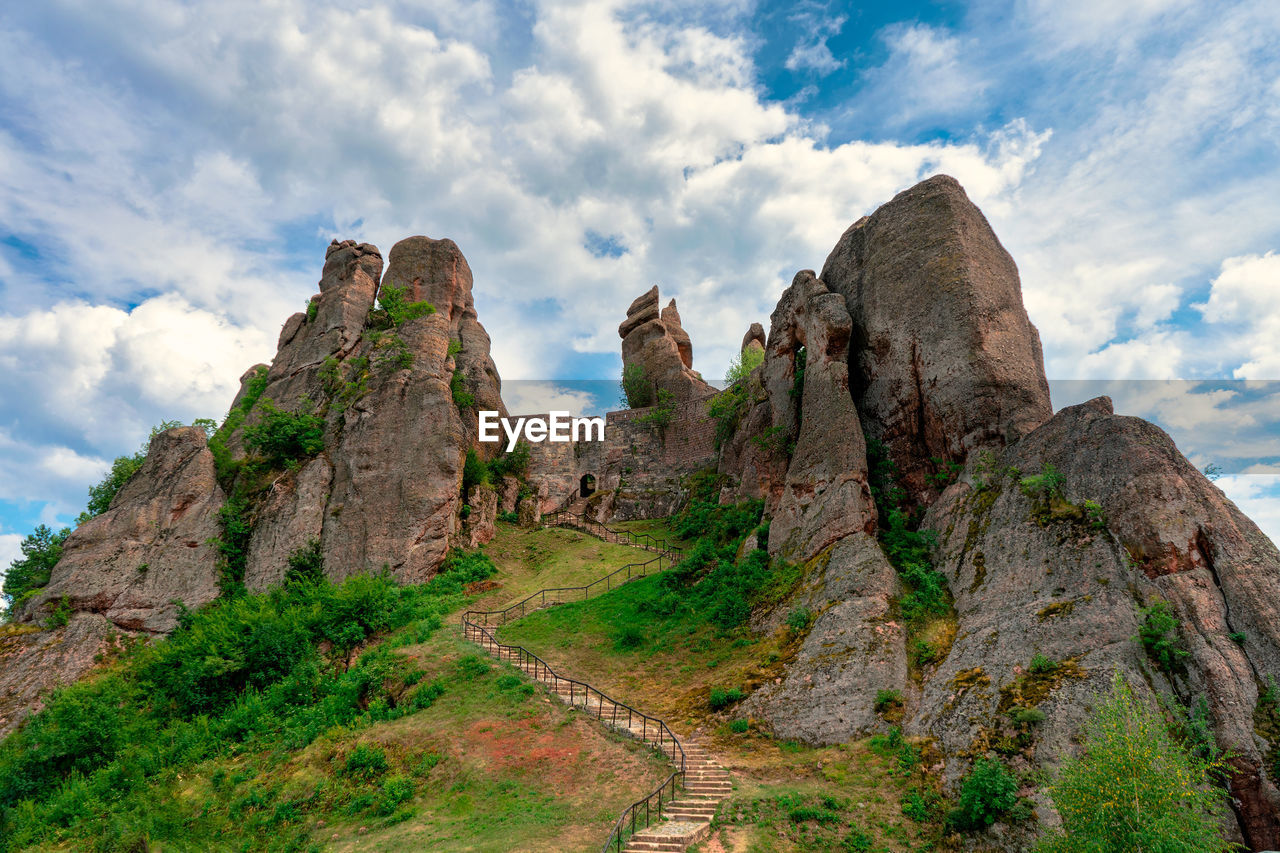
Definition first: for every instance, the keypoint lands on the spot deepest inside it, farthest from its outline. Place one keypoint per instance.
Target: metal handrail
(647, 541)
(542, 672)
(564, 594)
(580, 691)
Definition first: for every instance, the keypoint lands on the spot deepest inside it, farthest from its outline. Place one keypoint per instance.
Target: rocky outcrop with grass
(152, 552)
(657, 355)
(1035, 555)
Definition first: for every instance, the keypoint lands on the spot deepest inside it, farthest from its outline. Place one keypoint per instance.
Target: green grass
(477, 757)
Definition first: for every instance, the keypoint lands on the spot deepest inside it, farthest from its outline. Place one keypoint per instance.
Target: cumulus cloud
(1257, 496)
(1244, 303)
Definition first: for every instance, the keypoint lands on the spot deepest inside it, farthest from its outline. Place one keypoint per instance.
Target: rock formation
(1037, 573)
(945, 367)
(754, 339)
(33, 663)
(151, 548)
(661, 347)
(944, 358)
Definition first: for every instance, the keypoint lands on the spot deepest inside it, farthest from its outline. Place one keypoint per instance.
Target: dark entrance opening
(588, 485)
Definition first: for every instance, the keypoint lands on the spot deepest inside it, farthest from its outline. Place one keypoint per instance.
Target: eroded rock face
(1032, 574)
(33, 664)
(824, 495)
(658, 343)
(437, 272)
(853, 650)
(944, 358)
(386, 489)
(151, 548)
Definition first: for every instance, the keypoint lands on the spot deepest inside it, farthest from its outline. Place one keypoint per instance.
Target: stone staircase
(677, 819)
(688, 819)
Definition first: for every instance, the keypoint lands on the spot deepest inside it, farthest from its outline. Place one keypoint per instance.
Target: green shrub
(802, 814)
(455, 347)
(739, 727)
(396, 790)
(856, 842)
(1097, 518)
(1136, 788)
(1160, 636)
(887, 699)
(741, 365)
(60, 615)
(1239, 637)
(798, 620)
(395, 302)
(722, 698)
(365, 763)
(236, 521)
(1027, 716)
(637, 390)
(661, 413)
(1042, 665)
(284, 438)
(920, 806)
(628, 637)
(727, 409)
(511, 517)
(474, 472)
(985, 795)
(306, 564)
(462, 398)
(514, 463)
(41, 550)
(1046, 484)
(313, 307)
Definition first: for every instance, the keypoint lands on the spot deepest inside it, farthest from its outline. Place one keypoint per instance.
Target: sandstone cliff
(945, 369)
(655, 342)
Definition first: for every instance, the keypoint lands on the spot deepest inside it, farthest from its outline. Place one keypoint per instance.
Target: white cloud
(532, 397)
(1244, 300)
(1257, 496)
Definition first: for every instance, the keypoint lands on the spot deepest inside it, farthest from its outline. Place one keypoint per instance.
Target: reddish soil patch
(517, 745)
(477, 587)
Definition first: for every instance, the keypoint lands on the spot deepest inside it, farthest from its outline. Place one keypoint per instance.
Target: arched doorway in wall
(588, 485)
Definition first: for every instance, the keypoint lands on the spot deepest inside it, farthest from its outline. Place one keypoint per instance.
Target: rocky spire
(659, 344)
(945, 359)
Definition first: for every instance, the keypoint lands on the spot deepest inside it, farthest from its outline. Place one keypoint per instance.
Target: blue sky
(170, 175)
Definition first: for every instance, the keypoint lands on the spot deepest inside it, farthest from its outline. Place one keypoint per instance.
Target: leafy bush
(628, 637)
(661, 413)
(985, 795)
(474, 472)
(1136, 788)
(739, 727)
(727, 409)
(41, 550)
(462, 398)
(807, 813)
(1042, 665)
(1097, 518)
(306, 564)
(741, 365)
(798, 620)
(515, 463)
(236, 522)
(284, 438)
(395, 791)
(1159, 635)
(511, 517)
(722, 698)
(1046, 484)
(101, 495)
(637, 390)
(313, 307)
(60, 615)
(886, 699)
(920, 806)
(395, 301)
(365, 763)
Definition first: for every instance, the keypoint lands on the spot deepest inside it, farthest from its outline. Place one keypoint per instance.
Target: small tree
(745, 362)
(283, 437)
(40, 553)
(637, 390)
(1135, 788)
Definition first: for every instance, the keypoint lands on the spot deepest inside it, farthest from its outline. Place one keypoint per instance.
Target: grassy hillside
(318, 717)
